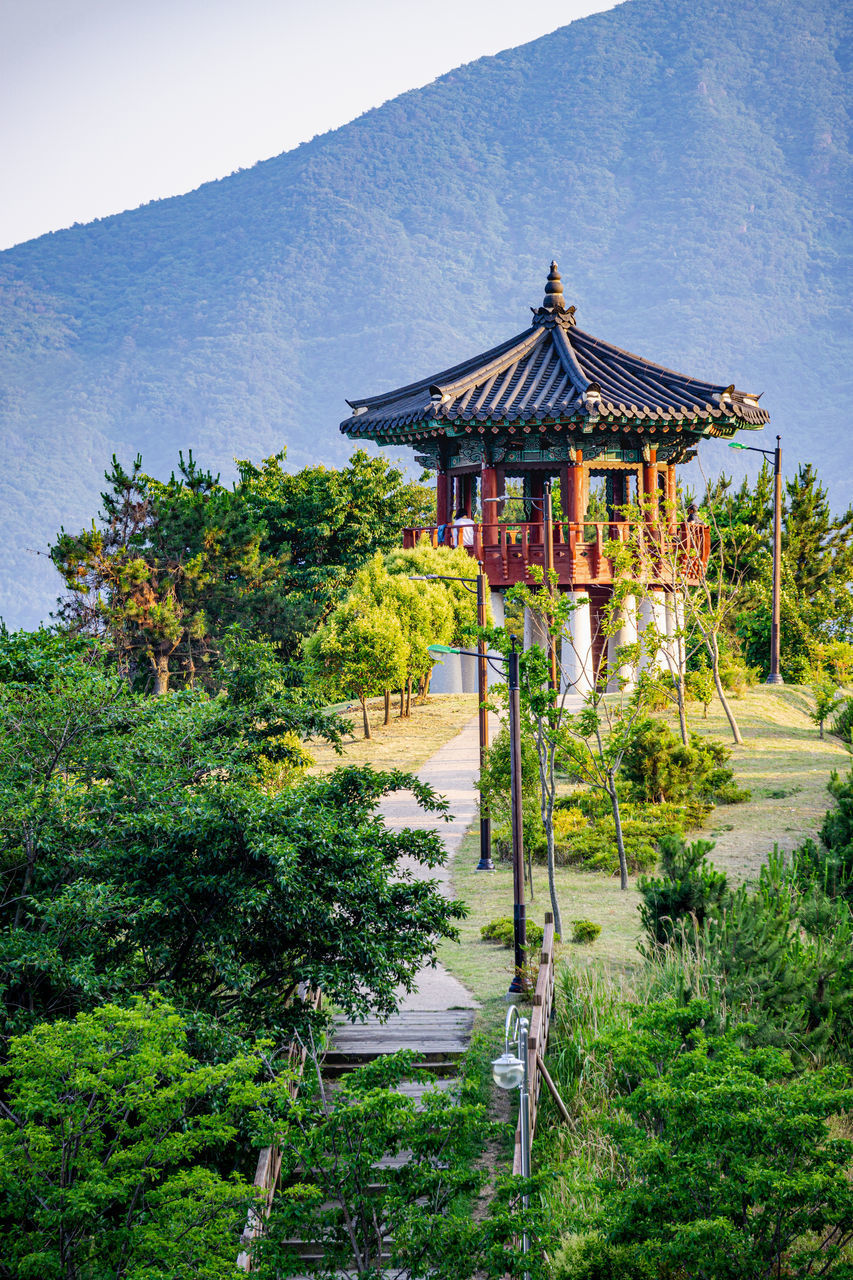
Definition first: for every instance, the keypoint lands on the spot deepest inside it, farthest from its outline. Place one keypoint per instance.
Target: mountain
(687, 164)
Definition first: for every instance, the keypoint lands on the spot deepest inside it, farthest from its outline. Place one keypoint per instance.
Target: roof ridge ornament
(554, 304)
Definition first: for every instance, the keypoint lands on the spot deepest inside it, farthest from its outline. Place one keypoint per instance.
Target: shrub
(843, 724)
(689, 885)
(585, 931)
(659, 767)
(503, 931)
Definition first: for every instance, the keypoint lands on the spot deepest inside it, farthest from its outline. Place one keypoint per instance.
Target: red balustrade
(657, 553)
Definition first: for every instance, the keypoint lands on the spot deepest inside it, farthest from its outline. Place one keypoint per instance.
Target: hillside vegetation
(686, 164)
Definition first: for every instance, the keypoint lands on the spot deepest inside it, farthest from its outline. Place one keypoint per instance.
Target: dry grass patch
(402, 744)
(786, 767)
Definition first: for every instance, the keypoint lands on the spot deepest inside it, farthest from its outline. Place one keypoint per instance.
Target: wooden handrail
(269, 1160)
(537, 1037)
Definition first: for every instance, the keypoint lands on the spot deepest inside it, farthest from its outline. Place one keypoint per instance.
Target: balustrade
(658, 553)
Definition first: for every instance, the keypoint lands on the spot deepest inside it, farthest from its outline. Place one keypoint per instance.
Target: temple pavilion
(606, 427)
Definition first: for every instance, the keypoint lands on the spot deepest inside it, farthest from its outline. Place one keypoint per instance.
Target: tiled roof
(554, 371)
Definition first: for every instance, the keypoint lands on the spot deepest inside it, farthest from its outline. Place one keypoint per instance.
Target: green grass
(486, 968)
(783, 763)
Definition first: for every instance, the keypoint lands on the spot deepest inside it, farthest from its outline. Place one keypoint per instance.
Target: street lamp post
(775, 676)
(479, 586)
(509, 1071)
(519, 981)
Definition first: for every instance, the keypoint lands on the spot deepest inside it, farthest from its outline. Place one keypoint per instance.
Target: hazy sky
(106, 104)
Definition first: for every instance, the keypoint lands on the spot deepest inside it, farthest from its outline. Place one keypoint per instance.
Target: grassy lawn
(402, 744)
(486, 968)
(783, 763)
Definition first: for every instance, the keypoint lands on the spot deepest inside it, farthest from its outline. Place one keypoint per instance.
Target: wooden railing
(663, 554)
(269, 1160)
(537, 1037)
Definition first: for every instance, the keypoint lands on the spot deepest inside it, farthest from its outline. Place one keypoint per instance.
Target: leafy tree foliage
(140, 850)
(417, 1222)
(688, 886)
(321, 525)
(110, 1133)
(730, 1169)
(817, 565)
(360, 651)
(659, 768)
(170, 567)
(167, 570)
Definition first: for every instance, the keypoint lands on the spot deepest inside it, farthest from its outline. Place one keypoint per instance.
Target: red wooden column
(671, 494)
(573, 491)
(489, 508)
(442, 497)
(650, 486)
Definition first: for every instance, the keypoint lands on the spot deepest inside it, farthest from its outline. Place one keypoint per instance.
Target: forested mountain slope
(687, 165)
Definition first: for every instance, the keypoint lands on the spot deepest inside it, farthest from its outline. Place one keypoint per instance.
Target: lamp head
(508, 1071)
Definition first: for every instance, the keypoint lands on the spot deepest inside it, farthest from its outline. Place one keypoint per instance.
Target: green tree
(423, 610)
(452, 563)
(320, 525)
(110, 1138)
(168, 568)
(825, 694)
(139, 851)
(386, 1181)
(359, 651)
(729, 1167)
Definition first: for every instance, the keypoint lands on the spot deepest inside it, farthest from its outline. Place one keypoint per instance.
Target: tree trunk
(387, 719)
(161, 675)
(363, 702)
(724, 702)
(620, 843)
(821, 729)
(409, 696)
(552, 882)
(682, 712)
(402, 702)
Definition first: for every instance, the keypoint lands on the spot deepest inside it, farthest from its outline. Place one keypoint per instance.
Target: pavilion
(554, 403)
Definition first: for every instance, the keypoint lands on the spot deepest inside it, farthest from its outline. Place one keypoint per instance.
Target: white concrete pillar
(447, 674)
(469, 673)
(625, 634)
(577, 660)
(496, 599)
(653, 614)
(535, 629)
(674, 654)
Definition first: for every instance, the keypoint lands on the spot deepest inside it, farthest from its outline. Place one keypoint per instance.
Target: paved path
(451, 772)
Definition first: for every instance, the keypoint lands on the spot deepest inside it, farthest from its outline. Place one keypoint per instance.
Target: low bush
(843, 724)
(503, 931)
(585, 931)
(658, 767)
(689, 885)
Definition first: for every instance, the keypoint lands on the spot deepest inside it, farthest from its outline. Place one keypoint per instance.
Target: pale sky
(107, 104)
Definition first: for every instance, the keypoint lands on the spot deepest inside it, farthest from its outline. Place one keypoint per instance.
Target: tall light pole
(518, 983)
(775, 676)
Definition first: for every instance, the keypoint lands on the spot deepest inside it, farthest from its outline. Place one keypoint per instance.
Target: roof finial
(554, 300)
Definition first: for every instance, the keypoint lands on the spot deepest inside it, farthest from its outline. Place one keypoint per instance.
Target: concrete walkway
(451, 772)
